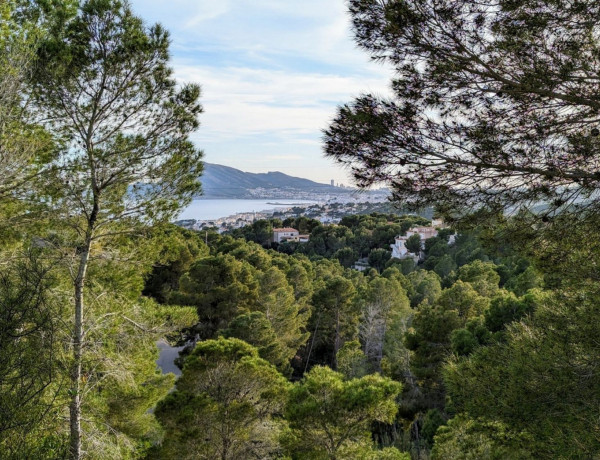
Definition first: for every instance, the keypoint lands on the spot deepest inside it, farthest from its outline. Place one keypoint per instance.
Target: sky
(272, 74)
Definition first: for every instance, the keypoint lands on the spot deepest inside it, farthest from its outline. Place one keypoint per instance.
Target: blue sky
(272, 74)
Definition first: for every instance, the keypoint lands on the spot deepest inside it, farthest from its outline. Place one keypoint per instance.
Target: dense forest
(402, 325)
(484, 345)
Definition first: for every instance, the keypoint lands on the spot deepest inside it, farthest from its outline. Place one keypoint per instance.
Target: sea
(211, 209)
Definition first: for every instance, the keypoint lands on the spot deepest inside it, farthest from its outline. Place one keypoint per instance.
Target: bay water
(211, 209)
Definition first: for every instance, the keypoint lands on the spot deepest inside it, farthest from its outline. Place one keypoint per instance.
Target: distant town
(327, 209)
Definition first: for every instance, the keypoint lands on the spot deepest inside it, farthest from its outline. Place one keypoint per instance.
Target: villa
(285, 234)
(399, 250)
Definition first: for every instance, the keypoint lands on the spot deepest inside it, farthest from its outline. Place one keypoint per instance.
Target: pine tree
(105, 89)
(494, 104)
(330, 417)
(225, 405)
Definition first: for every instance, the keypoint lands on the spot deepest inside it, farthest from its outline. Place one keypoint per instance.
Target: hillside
(225, 182)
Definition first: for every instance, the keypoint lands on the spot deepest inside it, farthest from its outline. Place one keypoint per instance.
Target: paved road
(166, 359)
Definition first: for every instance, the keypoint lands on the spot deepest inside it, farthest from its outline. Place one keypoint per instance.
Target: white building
(399, 250)
(285, 234)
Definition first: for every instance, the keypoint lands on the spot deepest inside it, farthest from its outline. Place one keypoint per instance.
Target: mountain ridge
(219, 181)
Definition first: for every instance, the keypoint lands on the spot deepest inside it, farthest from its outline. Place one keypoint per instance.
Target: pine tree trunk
(75, 404)
(312, 342)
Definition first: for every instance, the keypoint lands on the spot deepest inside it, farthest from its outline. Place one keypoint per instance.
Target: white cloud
(314, 29)
(206, 10)
(242, 101)
(284, 157)
(180, 14)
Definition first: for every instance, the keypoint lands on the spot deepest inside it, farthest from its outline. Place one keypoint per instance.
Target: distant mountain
(224, 182)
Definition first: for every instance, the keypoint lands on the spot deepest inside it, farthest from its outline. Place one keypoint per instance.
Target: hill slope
(225, 182)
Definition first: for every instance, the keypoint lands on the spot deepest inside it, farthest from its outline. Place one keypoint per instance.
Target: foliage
(120, 380)
(108, 171)
(256, 329)
(360, 233)
(303, 224)
(260, 232)
(558, 412)
(334, 319)
(277, 301)
(482, 276)
(29, 339)
(413, 243)
(330, 417)
(224, 405)
(453, 317)
(491, 104)
(425, 287)
(433, 420)
(385, 317)
(506, 308)
(103, 88)
(220, 287)
(378, 258)
(467, 439)
(351, 361)
(490, 336)
(177, 248)
(25, 146)
(346, 257)
(464, 299)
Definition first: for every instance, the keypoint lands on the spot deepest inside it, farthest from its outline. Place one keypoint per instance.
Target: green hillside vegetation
(413, 328)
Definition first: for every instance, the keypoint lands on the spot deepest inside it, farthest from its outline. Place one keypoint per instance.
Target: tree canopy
(224, 405)
(330, 417)
(104, 89)
(494, 103)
